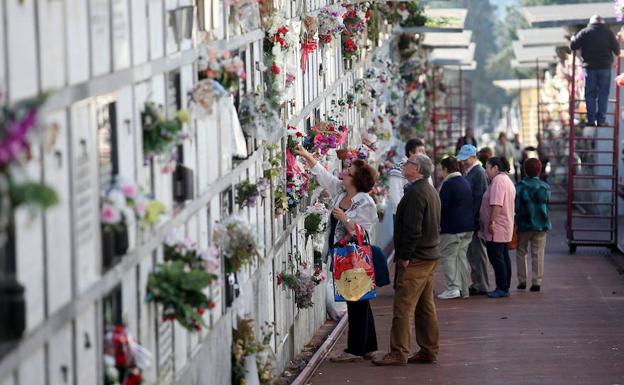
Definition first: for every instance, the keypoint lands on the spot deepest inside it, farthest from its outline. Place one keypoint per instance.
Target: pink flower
(110, 214)
(130, 191)
(140, 208)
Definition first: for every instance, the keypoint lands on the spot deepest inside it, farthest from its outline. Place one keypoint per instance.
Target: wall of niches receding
(101, 60)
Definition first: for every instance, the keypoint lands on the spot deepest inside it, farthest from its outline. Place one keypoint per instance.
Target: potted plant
(115, 241)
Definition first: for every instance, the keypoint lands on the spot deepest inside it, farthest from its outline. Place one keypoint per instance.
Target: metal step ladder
(592, 196)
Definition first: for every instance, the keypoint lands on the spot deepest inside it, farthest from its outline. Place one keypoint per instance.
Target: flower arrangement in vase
(355, 25)
(222, 67)
(308, 40)
(237, 241)
(272, 161)
(297, 181)
(279, 42)
(161, 136)
(280, 201)
(258, 117)
(331, 22)
(302, 282)
(19, 128)
(315, 221)
(179, 283)
(247, 193)
(327, 135)
(253, 361)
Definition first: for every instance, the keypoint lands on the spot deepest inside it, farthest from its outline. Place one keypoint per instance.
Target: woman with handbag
(352, 205)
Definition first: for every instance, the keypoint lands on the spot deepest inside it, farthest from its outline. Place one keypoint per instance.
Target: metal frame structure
(587, 214)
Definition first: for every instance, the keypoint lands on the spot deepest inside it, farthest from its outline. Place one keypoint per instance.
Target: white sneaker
(449, 294)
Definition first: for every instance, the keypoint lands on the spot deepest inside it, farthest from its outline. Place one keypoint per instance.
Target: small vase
(182, 184)
(108, 247)
(12, 308)
(122, 242)
(251, 370)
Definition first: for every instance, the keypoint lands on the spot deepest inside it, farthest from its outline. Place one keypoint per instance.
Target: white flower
(117, 198)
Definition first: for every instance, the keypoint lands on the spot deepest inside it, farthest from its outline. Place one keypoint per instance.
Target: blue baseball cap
(466, 151)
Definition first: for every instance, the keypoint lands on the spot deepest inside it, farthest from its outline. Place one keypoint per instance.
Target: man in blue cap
(477, 255)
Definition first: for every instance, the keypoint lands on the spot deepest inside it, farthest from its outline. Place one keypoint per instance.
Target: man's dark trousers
(597, 89)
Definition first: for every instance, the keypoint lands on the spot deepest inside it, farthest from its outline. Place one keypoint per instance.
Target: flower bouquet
(18, 128)
(237, 241)
(331, 23)
(411, 14)
(188, 252)
(258, 117)
(272, 161)
(247, 193)
(280, 201)
(308, 40)
(297, 181)
(203, 95)
(180, 290)
(223, 68)
(355, 24)
(279, 41)
(296, 137)
(162, 135)
(126, 195)
(315, 221)
(302, 282)
(326, 135)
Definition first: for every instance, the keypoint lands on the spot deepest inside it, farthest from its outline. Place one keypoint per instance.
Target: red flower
(201, 310)
(275, 69)
(298, 135)
(325, 38)
(211, 305)
(350, 46)
(280, 279)
(368, 14)
(282, 30)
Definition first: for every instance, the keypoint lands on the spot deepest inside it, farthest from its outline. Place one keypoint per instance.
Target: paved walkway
(572, 332)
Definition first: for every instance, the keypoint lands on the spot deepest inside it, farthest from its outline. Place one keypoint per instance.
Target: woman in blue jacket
(457, 226)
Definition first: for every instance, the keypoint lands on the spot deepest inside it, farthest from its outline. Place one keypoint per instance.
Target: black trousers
(362, 337)
(498, 253)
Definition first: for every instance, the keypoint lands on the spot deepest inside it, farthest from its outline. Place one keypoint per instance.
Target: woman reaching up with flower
(351, 205)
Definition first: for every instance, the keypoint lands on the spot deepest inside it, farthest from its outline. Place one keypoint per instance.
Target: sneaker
(473, 291)
(346, 357)
(449, 294)
(389, 360)
(521, 286)
(535, 288)
(421, 358)
(498, 294)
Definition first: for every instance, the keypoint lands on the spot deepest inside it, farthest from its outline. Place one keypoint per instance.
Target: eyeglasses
(411, 162)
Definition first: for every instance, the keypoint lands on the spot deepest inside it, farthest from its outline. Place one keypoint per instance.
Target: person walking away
(351, 205)
(504, 148)
(532, 223)
(396, 180)
(518, 158)
(484, 154)
(417, 250)
(477, 254)
(598, 44)
(457, 226)
(497, 222)
(466, 139)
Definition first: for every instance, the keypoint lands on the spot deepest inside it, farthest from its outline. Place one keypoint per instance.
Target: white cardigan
(363, 210)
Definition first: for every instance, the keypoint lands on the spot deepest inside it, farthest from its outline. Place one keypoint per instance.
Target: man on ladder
(598, 45)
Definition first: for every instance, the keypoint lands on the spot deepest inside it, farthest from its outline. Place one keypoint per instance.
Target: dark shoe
(535, 288)
(601, 124)
(389, 360)
(422, 358)
(521, 286)
(473, 291)
(498, 294)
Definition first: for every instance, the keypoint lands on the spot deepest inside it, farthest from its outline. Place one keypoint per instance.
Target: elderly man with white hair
(417, 250)
(598, 45)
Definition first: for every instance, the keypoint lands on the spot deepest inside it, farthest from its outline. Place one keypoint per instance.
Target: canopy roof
(450, 20)
(453, 56)
(515, 84)
(542, 36)
(546, 53)
(447, 39)
(567, 14)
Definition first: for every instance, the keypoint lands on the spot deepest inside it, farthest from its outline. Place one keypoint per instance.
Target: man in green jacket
(532, 223)
(417, 250)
